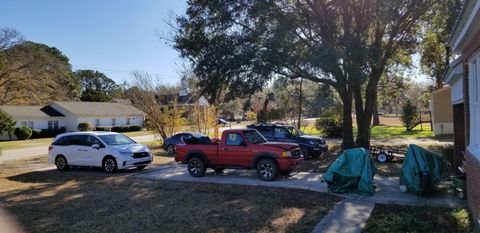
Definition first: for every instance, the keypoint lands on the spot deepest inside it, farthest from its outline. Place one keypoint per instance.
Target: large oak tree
(237, 46)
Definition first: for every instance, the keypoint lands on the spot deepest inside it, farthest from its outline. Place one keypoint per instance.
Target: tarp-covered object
(353, 171)
(421, 171)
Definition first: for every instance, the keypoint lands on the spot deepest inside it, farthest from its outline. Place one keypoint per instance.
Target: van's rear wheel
(61, 163)
(267, 170)
(196, 167)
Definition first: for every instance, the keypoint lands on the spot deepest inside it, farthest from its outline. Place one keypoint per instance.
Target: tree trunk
(347, 133)
(364, 113)
(299, 123)
(376, 117)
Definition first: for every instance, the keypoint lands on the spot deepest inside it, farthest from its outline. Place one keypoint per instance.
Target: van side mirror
(96, 146)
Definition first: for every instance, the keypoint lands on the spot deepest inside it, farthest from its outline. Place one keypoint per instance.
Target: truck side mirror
(243, 144)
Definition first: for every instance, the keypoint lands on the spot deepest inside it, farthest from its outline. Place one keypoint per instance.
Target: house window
(27, 124)
(114, 122)
(53, 124)
(128, 121)
(97, 122)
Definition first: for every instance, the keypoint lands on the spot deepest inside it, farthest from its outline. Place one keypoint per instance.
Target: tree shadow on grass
(92, 201)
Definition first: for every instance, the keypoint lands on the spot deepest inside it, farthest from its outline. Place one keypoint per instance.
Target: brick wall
(473, 182)
(458, 133)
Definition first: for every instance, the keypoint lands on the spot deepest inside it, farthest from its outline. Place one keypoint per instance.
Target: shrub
(409, 115)
(85, 126)
(23, 132)
(251, 116)
(125, 128)
(135, 128)
(47, 133)
(330, 126)
(103, 128)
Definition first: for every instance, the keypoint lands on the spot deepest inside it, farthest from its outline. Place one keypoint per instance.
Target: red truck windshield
(254, 137)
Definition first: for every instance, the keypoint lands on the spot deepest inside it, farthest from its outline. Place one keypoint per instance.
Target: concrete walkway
(23, 153)
(347, 216)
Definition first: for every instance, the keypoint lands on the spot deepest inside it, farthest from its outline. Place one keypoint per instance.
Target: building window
(97, 122)
(114, 122)
(23, 123)
(53, 124)
(128, 121)
(27, 124)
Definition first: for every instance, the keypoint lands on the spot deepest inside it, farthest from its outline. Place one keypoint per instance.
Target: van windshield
(116, 139)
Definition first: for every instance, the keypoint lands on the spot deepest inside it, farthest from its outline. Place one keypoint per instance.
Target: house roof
(99, 109)
(466, 26)
(30, 112)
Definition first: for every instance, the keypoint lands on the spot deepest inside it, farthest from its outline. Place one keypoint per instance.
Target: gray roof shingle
(100, 109)
(30, 112)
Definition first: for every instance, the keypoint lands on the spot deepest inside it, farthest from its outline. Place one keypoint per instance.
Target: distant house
(464, 77)
(99, 114)
(68, 115)
(442, 114)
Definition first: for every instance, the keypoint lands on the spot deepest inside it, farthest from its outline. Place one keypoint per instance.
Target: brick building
(464, 78)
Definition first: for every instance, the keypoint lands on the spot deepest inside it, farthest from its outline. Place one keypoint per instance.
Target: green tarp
(353, 171)
(421, 171)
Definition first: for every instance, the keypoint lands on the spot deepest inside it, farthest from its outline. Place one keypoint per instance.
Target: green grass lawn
(383, 131)
(9, 145)
(396, 218)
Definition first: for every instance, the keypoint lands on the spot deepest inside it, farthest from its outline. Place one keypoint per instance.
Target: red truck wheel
(196, 167)
(267, 170)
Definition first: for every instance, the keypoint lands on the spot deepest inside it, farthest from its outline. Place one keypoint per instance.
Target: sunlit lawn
(381, 132)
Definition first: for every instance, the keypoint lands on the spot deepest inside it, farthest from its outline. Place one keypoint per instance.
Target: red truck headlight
(286, 154)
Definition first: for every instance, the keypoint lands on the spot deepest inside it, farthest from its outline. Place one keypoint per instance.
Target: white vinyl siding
(474, 89)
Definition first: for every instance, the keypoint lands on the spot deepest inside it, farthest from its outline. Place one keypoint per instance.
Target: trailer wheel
(382, 157)
(461, 195)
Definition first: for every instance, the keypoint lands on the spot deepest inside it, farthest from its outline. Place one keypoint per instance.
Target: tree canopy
(96, 86)
(33, 73)
(236, 47)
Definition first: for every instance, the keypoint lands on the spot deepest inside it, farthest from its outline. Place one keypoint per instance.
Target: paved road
(387, 187)
(42, 150)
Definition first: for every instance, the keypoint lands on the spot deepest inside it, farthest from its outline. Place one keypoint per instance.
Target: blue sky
(113, 36)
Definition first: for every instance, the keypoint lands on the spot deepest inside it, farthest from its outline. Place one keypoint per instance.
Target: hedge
(23, 133)
(47, 133)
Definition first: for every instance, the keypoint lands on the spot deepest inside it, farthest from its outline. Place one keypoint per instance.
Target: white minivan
(108, 150)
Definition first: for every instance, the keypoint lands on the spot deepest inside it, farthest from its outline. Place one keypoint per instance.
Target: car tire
(196, 167)
(267, 170)
(382, 157)
(171, 150)
(141, 167)
(109, 164)
(61, 163)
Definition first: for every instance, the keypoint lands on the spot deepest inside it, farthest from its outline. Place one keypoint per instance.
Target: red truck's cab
(240, 148)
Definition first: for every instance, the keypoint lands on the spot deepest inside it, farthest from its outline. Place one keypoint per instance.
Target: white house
(98, 114)
(68, 115)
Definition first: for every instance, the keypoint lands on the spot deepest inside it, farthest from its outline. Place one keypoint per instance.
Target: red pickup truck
(244, 149)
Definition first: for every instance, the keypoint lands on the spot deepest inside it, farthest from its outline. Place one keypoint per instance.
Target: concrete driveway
(387, 187)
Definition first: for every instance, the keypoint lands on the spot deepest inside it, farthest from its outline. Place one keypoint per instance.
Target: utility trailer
(383, 155)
